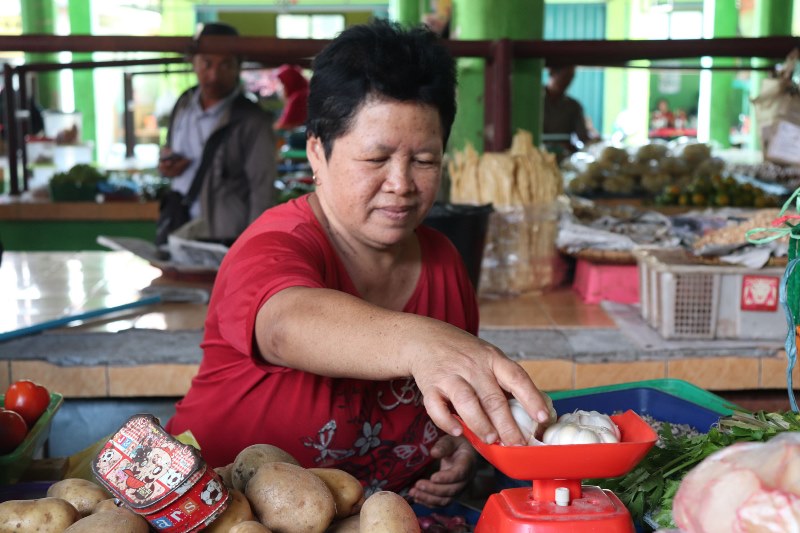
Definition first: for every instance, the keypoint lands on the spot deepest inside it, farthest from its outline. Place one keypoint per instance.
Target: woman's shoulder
(435, 242)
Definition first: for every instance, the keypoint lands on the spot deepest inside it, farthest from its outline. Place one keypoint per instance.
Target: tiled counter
(36, 224)
(153, 351)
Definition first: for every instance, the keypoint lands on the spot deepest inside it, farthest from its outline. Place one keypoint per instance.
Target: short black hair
(217, 28)
(384, 60)
(214, 28)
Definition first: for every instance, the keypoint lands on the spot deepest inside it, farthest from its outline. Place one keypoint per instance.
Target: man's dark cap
(217, 28)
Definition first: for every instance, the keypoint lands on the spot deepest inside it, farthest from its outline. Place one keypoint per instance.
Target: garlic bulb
(531, 429)
(592, 419)
(572, 433)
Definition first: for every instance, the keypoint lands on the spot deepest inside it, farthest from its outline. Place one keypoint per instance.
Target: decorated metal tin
(201, 505)
(160, 478)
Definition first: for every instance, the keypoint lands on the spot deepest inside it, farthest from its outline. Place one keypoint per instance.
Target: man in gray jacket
(220, 154)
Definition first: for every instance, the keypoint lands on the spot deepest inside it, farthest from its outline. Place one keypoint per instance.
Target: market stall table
(151, 353)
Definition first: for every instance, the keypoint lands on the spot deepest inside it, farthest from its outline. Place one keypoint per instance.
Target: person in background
(295, 93)
(340, 329)
(662, 117)
(220, 136)
(563, 117)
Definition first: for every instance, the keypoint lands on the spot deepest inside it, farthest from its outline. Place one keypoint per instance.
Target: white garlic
(593, 419)
(531, 429)
(572, 433)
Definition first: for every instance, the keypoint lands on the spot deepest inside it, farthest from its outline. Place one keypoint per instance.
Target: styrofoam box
(682, 299)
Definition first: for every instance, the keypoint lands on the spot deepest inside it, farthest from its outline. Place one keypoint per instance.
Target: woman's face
(383, 175)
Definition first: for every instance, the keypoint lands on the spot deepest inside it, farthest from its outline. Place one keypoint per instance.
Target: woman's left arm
(457, 460)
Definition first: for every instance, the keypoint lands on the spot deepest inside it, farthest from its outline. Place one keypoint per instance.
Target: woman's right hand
(456, 371)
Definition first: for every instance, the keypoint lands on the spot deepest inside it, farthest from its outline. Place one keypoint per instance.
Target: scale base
(515, 511)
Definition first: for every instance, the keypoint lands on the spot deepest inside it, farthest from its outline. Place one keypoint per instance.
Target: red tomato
(12, 430)
(28, 399)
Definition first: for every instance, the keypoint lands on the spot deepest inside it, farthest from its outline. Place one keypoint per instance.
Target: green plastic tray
(677, 387)
(14, 464)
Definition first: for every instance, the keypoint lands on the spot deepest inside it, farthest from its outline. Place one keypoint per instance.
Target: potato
(250, 526)
(238, 511)
(45, 515)
(81, 493)
(287, 497)
(224, 473)
(255, 455)
(388, 512)
(107, 505)
(351, 524)
(114, 521)
(346, 489)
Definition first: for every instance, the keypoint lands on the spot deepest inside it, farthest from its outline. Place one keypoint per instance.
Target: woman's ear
(315, 152)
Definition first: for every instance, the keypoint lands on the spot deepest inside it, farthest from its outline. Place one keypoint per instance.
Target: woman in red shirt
(340, 329)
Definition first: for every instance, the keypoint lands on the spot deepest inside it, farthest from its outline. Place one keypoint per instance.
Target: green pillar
(617, 81)
(39, 17)
(725, 107)
(80, 23)
(773, 18)
(406, 12)
(488, 20)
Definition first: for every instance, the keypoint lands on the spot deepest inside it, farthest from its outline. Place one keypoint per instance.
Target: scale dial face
(572, 461)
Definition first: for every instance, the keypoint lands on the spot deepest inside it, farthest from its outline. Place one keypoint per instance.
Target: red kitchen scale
(558, 502)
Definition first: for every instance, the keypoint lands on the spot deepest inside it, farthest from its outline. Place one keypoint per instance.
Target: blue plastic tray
(644, 401)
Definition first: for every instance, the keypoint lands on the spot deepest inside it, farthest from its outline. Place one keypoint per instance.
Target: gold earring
(315, 179)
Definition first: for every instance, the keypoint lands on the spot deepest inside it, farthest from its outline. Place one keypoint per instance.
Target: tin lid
(142, 464)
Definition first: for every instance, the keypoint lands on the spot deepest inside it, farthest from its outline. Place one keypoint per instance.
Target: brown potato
(351, 524)
(255, 455)
(114, 521)
(107, 505)
(224, 473)
(238, 510)
(81, 493)
(45, 515)
(388, 512)
(250, 526)
(287, 497)
(346, 489)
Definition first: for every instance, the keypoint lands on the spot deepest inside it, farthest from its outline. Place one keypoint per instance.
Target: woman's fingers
(478, 394)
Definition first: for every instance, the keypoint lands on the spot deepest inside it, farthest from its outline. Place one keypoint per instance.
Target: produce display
(682, 175)
(24, 402)
(643, 171)
(716, 191)
(650, 488)
(277, 495)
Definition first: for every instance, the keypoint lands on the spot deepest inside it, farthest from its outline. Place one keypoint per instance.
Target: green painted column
(80, 23)
(724, 108)
(616, 82)
(773, 18)
(488, 20)
(39, 17)
(406, 12)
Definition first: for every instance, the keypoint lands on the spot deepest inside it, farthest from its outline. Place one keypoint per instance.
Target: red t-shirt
(378, 431)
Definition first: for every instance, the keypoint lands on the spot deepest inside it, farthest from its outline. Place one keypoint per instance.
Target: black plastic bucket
(466, 227)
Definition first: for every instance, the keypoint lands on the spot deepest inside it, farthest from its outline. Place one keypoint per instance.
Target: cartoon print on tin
(212, 493)
(146, 468)
(150, 464)
(107, 460)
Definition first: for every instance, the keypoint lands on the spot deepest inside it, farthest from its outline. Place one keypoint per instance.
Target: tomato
(28, 399)
(12, 430)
